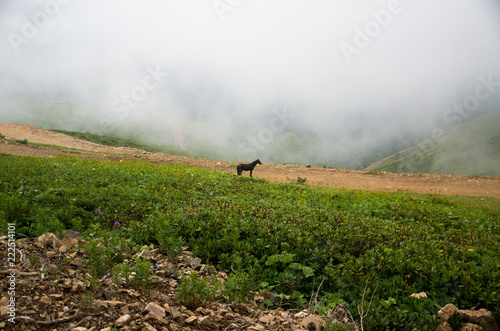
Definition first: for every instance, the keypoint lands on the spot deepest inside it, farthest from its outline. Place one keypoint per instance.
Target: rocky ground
(54, 291)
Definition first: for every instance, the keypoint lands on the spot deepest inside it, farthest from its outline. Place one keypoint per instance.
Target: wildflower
(117, 224)
(409, 276)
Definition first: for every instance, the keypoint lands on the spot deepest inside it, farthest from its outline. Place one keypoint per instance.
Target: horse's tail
(239, 169)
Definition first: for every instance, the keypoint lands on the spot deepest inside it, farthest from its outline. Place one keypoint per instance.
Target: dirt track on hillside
(363, 180)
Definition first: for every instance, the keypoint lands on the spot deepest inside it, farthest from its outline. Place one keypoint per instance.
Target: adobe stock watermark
(372, 29)
(11, 276)
(49, 9)
(265, 136)
(456, 115)
(122, 105)
(483, 91)
(222, 7)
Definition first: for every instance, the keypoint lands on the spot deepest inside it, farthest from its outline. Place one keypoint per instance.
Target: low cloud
(226, 66)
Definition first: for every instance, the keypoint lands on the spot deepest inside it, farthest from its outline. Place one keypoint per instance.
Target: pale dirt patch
(352, 179)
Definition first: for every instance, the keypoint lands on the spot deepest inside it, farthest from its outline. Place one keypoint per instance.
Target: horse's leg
(251, 173)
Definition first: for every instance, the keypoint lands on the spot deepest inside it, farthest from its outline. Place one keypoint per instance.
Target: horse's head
(258, 161)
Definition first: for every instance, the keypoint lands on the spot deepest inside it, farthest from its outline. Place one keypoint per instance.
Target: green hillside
(471, 149)
(288, 239)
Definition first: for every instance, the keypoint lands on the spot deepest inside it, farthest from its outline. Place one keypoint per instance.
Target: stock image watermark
(48, 11)
(372, 29)
(457, 114)
(126, 102)
(265, 136)
(223, 7)
(11, 276)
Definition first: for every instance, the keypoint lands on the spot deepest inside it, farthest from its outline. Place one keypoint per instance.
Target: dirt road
(363, 180)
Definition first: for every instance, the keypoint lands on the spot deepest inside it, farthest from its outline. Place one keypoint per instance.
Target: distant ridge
(471, 149)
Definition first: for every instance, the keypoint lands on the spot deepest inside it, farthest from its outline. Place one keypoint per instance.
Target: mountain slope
(471, 149)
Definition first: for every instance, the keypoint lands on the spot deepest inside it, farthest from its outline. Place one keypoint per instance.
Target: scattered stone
(419, 295)
(470, 327)
(108, 303)
(149, 327)
(193, 262)
(258, 299)
(175, 313)
(45, 300)
(301, 314)
(266, 319)
(445, 326)
(155, 309)
(191, 319)
(313, 322)
(205, 320)
(481, 317)
(77, 261)
(4, 310)
(155, 319)
(448, 311)
(78, 286)
(123, 320)
(49, 239)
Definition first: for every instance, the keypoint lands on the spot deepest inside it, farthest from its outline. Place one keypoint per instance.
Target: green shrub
(138, 276)
(238, 287)
(122, 273)
(195, 291)
(143, 277)
(170, 245)
(106, 249)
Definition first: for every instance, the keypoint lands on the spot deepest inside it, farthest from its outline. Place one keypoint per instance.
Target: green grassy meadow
(283, 238)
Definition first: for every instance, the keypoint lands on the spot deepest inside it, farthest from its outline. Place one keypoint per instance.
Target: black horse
(247, 167)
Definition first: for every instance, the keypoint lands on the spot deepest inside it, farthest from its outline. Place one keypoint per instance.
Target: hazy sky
(337, 65)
